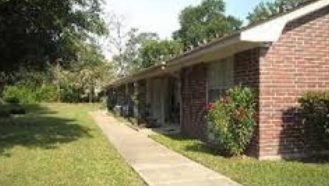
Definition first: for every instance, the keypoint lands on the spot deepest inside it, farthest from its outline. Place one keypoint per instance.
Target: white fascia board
(271, 31)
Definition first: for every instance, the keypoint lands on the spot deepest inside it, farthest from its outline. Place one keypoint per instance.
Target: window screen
(220, 78)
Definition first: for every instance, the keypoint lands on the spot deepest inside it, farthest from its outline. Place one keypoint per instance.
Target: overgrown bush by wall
(232, 119)
(315, 112)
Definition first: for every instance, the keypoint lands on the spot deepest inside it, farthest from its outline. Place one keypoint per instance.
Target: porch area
(153, 103)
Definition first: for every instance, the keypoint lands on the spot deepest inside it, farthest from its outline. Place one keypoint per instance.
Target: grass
(59, 145)
(251, 172)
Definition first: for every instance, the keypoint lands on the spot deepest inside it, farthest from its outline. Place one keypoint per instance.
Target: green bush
(315, 111)
(70, 95)
(231, 120)
(25, 94)
(12, 100)
(47, 94)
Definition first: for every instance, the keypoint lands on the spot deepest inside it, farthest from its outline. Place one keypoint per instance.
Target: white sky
(161, 16)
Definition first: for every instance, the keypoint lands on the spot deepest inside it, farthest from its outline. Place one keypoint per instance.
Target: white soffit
(271, 31)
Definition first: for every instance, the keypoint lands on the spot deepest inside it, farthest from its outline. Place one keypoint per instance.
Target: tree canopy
(204, 21)
(130, 57)
(143, 50)
(35, 33)
(266, 10)
(154, 52)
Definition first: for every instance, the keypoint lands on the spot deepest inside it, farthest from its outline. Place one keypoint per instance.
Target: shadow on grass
(316, 159)
(38, 109)
(29, 108)
(37, 129)
(195, 145)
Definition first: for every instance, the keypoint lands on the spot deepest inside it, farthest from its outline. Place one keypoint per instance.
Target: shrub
(26, 94)
(22, 93)
(12, 100)
(315, 111)
(70, 95)
(47, 94)
(231, 120)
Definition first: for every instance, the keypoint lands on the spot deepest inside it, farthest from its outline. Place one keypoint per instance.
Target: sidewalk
(156, 164)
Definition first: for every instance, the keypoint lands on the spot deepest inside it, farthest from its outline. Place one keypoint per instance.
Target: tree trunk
(91, 95)
(58, 93)
(58, 83)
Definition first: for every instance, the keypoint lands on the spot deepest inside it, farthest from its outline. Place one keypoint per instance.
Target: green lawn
(59, 144)
(250, 172)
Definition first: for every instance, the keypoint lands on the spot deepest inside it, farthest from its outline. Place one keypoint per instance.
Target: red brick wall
(297, 63)
(194, 99)
(194, 92)
(246, 73)
(246, 68)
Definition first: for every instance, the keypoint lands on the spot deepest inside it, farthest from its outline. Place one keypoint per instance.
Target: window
(220, 78)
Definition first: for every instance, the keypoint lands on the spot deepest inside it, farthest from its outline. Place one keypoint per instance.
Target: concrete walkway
(156, 164)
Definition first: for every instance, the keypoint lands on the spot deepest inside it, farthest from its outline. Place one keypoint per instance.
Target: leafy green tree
(204, 21)
(143, 50)
(266, 10)
(154, 52)
(91, 73)
(36, 33)
(92, 77)
(130, 56)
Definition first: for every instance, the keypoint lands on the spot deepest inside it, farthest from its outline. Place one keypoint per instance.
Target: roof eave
(271, 30)
(180, 59)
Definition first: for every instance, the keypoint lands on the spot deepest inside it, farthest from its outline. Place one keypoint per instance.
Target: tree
(143, 50)
(204, 21)
(123, 43)
(91, 73)
(127, 55)
(115, 42)
(153, 52)
(132, 54)
(263, 11)
(36, 33)
(93, 76)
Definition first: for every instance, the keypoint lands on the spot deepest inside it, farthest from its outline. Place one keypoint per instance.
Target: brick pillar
(129, 98)
(141, 89)
(194, 100)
